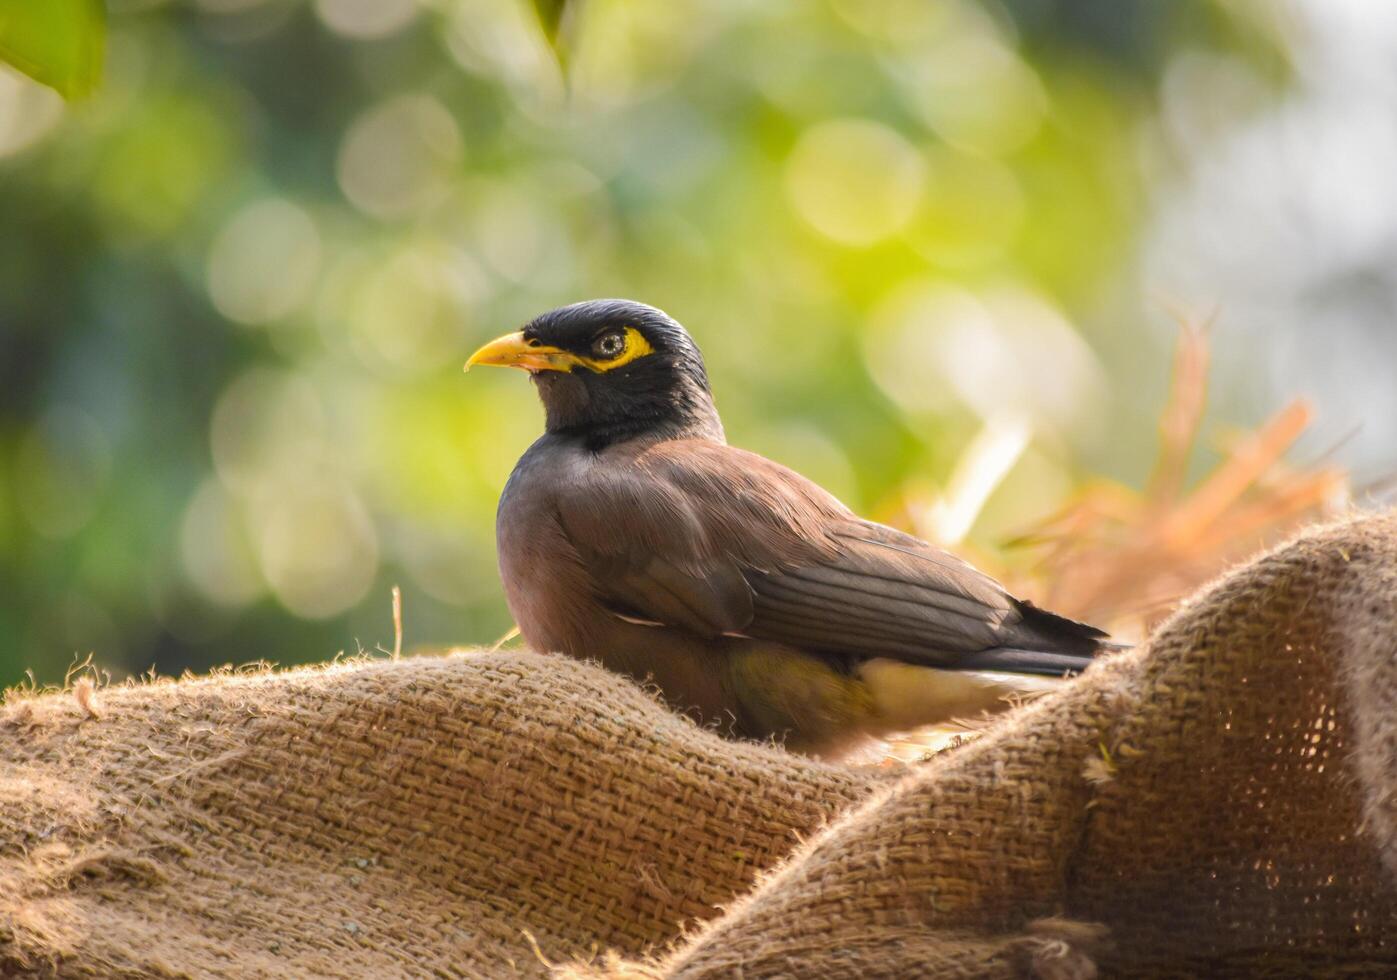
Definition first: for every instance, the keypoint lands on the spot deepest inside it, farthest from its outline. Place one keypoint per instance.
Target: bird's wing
(889, 594)
(670, 534)
(704, 537)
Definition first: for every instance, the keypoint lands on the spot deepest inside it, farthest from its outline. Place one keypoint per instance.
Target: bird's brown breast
(549, 590)
(558, 602)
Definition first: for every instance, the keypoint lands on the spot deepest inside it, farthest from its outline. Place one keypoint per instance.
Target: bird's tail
(1040, 663)
(1042, 644)
(1040, 652)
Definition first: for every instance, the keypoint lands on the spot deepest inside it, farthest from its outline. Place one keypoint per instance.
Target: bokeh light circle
(28, 112)
(366, 20)
(264, 262)
(266, 425)
(399, 156)
(317, 546)
(1004, 351)
(855, 181)
(215, 548)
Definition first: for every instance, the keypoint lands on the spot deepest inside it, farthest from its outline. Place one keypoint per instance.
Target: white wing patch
(633, 620)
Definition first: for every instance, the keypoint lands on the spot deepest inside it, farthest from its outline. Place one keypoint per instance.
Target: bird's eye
(609, 345)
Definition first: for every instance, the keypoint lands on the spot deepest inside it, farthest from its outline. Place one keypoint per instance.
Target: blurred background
(936, 253)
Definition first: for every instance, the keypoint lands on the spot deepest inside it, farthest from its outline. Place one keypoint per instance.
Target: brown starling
(633, 534)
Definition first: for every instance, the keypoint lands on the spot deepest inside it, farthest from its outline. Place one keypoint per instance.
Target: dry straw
(1124, 558)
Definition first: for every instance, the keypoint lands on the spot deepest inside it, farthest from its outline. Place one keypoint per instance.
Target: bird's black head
(609, 370)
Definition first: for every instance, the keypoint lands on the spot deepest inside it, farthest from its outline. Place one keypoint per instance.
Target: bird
(631, 533)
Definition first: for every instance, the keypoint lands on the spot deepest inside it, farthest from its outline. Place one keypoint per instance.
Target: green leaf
(556, 18)
(550, 16)
(56, 42)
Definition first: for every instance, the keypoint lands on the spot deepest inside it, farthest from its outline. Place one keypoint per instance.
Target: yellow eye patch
(514, 350)
(635, 346)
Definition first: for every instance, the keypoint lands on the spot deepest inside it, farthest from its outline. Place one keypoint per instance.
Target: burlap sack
(1221, 803)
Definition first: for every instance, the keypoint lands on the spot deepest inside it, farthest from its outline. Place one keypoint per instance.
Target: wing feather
(714, 540)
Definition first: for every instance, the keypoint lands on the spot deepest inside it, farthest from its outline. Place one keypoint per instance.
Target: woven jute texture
(1222, 802)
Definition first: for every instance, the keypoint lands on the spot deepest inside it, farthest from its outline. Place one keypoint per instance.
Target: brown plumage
(633, 534)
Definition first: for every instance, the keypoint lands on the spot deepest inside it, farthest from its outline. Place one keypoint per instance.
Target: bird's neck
(687, 414)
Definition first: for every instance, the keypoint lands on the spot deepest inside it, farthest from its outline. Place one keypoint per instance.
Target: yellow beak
(512, 350)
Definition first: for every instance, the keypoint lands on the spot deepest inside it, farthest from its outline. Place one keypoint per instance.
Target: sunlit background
(237, 285)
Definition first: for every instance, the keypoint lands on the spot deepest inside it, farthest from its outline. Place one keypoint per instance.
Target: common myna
(632, 533)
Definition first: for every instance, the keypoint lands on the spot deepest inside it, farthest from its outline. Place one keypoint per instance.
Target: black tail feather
(1051, 633)
(1042, 643)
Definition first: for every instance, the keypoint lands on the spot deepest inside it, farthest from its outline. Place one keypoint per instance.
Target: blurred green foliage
(237, 286)
(58, 42)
